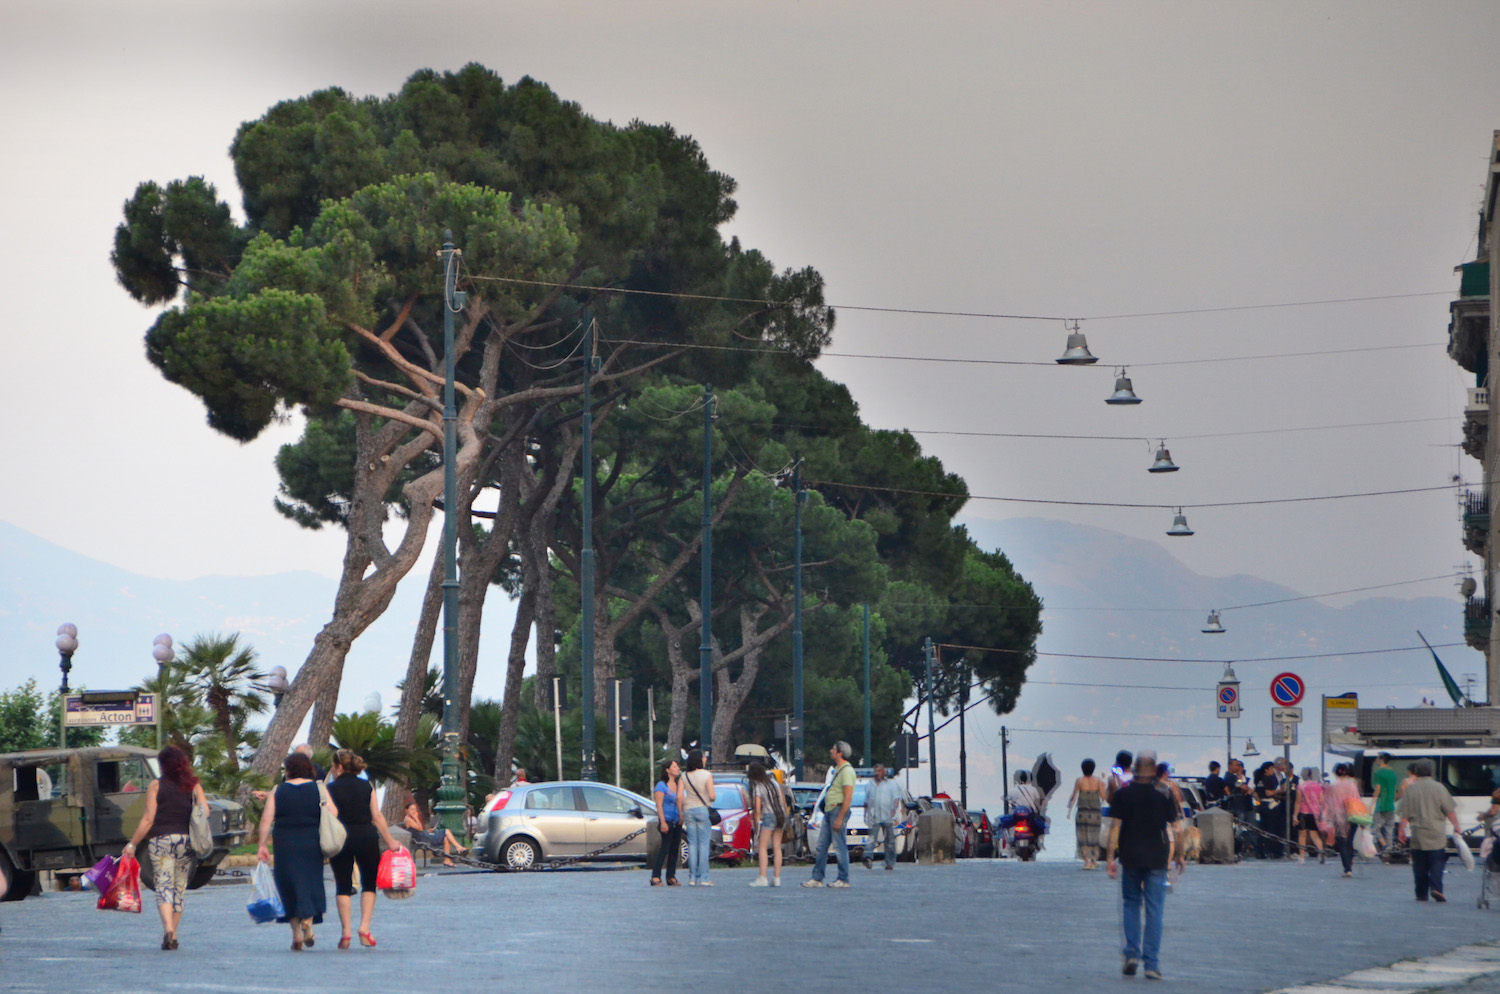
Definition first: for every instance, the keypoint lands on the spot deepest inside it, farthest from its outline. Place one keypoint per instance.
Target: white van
(1471, 774)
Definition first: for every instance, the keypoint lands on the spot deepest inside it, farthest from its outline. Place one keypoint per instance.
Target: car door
(554, 816)
(610, 815)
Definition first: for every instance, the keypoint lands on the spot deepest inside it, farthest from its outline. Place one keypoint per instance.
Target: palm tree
(179, 706)
(225, 673)
(374, 740)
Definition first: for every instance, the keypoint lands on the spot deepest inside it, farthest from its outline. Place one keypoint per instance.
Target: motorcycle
(1024, 829)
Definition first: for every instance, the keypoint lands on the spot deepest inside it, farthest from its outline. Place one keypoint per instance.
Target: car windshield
(1471, 776)
(727, 797)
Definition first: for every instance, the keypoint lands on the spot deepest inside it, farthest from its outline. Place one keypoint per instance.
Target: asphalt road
(989, 925)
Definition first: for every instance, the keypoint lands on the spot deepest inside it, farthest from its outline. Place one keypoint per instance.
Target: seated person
(436, 838)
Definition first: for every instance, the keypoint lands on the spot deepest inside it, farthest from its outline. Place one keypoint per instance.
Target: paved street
(992, 925)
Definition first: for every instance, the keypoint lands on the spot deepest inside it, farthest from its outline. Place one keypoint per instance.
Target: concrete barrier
(934, 837)
(1216, 828)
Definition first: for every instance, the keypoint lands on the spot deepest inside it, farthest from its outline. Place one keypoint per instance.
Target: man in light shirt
(1425, 810)
(882, 804)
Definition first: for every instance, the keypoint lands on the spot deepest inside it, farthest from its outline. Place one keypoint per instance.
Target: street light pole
(586, 561)
(706, 587)
(931, 721)
(868, 755)
(161, 651)
(67, 644)
(798, 733)
(450, 803)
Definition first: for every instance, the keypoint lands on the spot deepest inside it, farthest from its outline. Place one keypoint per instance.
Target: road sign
(110, 707)
(1339, 712)
(1287, 689)
(1284, 733)
(1227, 700)
(1286, 716)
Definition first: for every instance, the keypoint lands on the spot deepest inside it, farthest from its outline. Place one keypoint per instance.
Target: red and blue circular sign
(1228, 695)
(1287, 689)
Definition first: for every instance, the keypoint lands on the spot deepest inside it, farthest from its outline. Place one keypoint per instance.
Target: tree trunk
(409, 714)
(515, 667)
(730, 694)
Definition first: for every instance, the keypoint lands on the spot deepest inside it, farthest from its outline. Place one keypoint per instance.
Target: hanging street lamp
(1179, 525)
(1077, 353)
(1124, 393)
(1163, 463)
(1213, 627)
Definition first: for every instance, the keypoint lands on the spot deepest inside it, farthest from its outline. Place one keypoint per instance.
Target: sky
(1089, 161)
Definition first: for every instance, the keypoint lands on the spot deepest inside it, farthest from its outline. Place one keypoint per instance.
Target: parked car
(533, 822)
(857, 831)
(65, 809)
(984, 835)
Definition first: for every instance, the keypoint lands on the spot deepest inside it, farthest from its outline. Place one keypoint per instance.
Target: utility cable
(1187, 659)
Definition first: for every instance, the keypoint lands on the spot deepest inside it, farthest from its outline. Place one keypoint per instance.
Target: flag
(1448, 683)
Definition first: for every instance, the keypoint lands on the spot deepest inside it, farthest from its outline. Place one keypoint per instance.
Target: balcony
(1468, 333)
(1477, 620)
(1476, 512)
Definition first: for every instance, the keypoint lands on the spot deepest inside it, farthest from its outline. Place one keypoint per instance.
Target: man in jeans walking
(1426, 810)
(1383, 783)
(881, 798)
(1141, 834)
(836, 802)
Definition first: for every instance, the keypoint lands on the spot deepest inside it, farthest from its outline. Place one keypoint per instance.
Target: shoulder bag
(713, 813)
(200, 836)
(331, 832)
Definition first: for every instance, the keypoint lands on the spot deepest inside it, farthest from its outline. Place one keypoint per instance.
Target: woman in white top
(695, 797)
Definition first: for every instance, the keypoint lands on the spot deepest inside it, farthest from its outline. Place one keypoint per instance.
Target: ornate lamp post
(162, 652)
(276, 682)
(67, 644)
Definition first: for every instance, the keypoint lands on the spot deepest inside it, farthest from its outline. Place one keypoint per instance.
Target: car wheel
(148, 878)
(18, 883)
(520, 853)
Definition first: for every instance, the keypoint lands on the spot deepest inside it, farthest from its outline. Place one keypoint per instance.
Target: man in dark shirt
(1144, 839)
(1213, 785)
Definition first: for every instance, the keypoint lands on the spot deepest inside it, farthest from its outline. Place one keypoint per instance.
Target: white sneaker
(692, 883)
(775, 881)
(705, 883)
(812, 883)
(760, 882)
(839, 883)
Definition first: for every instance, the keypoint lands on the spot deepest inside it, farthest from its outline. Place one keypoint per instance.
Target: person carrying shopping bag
(366, 829)
(166, 822)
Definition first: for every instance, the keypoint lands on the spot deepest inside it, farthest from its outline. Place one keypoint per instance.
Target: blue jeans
(699, 832)
(887, 830)
(1427, 870)
(839, 840)
(1148, 887)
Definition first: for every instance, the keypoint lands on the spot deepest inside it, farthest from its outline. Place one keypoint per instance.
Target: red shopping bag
(397, 876)
(125, 893)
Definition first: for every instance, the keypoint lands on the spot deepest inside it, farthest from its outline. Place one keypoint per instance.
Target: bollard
(1216, 828)
(935, 837)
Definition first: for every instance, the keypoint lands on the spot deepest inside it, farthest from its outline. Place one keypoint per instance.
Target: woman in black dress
(292, 811)
(366, 829)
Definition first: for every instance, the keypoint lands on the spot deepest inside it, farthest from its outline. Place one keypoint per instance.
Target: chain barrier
(549, 863)
(1396, 852)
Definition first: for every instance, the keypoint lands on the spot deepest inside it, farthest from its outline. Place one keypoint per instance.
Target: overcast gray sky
(1086, 160)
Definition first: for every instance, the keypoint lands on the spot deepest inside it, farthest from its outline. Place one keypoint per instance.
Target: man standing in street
(1141, 834)
(1426, 810)
(836, 803)
(1383, 784)
(1213, 786)
(881, 800)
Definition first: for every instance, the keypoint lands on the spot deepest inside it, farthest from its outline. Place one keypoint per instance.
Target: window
(124, 776)
(1471, 776)
(605, 800)
(728, 797)
(551, 799)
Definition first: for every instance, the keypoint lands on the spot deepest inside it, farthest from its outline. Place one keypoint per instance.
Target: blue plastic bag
(265, 899)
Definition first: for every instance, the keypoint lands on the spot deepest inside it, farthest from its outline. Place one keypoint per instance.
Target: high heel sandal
(308, 939)
(344, 941)
(366, 939)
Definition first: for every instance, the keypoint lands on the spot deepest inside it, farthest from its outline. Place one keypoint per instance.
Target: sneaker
(869, 865)
(839, 883)
(1437, 896)
(692, 883)
(705, 883)
(889, 867)
(760, 882)
(1348, 874)
(1130, 966)
(1153, 975)
(812, 883)
(775, 881)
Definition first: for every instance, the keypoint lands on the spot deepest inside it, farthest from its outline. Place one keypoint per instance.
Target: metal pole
(650, 739)
(799, 736)
(586, 560)
(931, 722)
(557, 722)
(450, 806)
(1291, 794)
(1005, 766)
(868, 754)
(787, 728)
(963, 751)
(1228, 743)
(706, 587)
(617, 731)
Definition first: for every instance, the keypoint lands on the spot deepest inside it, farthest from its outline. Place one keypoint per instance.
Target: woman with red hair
(169, 808)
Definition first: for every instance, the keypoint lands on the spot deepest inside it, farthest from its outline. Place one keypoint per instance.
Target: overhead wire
(1220, 661)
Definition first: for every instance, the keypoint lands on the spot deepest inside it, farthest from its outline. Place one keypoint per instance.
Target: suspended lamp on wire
(1250, 749)
(1123, 393)
(1213, 627)
(1077, 353)
(1163, 463)
(1179, 525)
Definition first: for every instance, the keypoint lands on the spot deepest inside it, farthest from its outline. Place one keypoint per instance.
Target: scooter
(1024, 829)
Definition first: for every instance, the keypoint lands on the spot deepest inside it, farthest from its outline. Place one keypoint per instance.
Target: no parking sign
(1287, 689)
(1227, 699)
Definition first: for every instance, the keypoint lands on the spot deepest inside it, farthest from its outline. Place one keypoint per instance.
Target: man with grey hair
(882, 797)
(1142, 837)
(836, 801)
(1425, 811)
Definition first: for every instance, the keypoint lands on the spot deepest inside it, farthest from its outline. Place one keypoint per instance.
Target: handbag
(713, 813)
(331, 832)
(200, 836)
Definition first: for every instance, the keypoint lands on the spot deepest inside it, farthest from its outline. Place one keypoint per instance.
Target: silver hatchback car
(533, 822)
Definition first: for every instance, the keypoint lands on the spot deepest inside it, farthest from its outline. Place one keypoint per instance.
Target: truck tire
(201, 874)
(18, 883)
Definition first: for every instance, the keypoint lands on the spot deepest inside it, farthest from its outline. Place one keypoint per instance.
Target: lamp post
(161, 651)
(276, 682)
(798, 740)
(450, 805)
(67, 644)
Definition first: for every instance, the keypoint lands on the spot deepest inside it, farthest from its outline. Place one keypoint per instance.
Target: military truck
(65, 809)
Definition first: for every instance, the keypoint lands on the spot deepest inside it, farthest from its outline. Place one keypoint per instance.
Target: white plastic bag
(1464, 855)
(1364, 843)
(265, 899)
